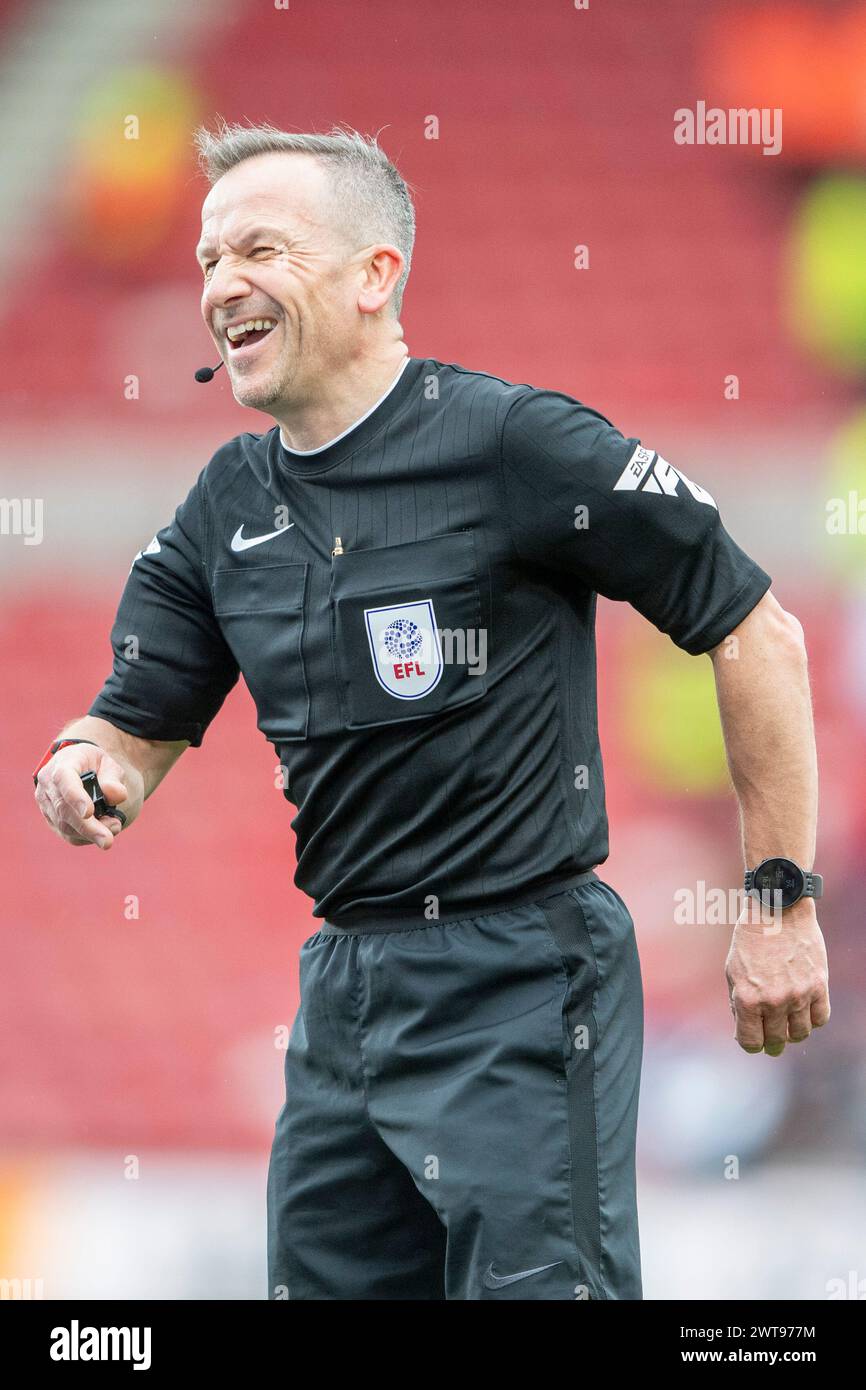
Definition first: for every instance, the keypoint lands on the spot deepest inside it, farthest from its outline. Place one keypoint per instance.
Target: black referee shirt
(429, 689)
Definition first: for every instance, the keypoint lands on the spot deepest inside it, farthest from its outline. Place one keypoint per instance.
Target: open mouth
(245, 335)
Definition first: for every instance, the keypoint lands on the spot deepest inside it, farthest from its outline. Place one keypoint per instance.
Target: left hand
(777, 977)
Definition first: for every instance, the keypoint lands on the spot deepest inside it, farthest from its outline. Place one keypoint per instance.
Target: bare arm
(128, 769)
(777, 975)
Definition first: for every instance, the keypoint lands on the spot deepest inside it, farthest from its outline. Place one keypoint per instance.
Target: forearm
(776, 971)
(762, 685)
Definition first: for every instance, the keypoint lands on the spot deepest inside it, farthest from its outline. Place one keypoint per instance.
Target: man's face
(272, 256)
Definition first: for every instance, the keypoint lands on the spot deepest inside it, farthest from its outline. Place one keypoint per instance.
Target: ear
(381, 271)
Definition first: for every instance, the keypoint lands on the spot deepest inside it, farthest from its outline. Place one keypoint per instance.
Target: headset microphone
(207, 373)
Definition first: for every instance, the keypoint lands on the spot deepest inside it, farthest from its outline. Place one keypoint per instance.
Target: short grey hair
(372, 197)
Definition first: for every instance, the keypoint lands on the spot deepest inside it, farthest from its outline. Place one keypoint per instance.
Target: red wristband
(55, 747)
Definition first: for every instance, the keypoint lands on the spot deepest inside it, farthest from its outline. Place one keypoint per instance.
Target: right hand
(67, 807)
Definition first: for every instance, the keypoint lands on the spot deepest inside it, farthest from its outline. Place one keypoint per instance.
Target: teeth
(251, 326)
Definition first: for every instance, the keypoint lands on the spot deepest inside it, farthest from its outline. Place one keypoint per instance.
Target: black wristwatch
(785, 877)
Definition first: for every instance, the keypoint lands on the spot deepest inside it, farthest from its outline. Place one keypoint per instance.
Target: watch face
(779, 875)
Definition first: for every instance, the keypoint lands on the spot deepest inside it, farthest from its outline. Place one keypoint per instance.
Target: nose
(224, 288)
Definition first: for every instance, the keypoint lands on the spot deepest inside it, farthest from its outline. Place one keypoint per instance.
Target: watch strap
(814, 886)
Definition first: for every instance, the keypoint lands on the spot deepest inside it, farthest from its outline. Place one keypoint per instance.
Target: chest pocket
(407, 630)
(261, 612)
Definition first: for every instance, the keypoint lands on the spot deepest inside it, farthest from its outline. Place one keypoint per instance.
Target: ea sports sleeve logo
(405, 648)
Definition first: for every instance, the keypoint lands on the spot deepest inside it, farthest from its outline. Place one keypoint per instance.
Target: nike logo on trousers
(239, 543)
(498, 1281)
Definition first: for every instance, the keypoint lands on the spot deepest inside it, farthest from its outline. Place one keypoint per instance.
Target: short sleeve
(172, 668)
(585, 501)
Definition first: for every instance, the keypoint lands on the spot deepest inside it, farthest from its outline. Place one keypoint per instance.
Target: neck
(310, 423)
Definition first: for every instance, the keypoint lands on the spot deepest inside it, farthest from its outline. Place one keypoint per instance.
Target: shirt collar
(309, 453)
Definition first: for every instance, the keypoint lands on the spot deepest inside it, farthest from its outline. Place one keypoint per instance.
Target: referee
(404, 569)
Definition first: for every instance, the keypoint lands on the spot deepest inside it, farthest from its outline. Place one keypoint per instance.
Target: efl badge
(404, 645)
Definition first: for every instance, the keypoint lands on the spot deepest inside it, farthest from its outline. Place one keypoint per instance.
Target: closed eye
(210, 266)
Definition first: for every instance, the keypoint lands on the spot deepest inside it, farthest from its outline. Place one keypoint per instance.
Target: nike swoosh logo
(498, 1281)
(239, 543)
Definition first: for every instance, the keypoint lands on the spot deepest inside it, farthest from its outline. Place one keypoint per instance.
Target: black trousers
(461, 1105)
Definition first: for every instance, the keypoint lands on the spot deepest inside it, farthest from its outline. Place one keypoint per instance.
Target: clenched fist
(777, 978)
(66, 805)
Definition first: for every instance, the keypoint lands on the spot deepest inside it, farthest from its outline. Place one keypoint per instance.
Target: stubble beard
(261, 393)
